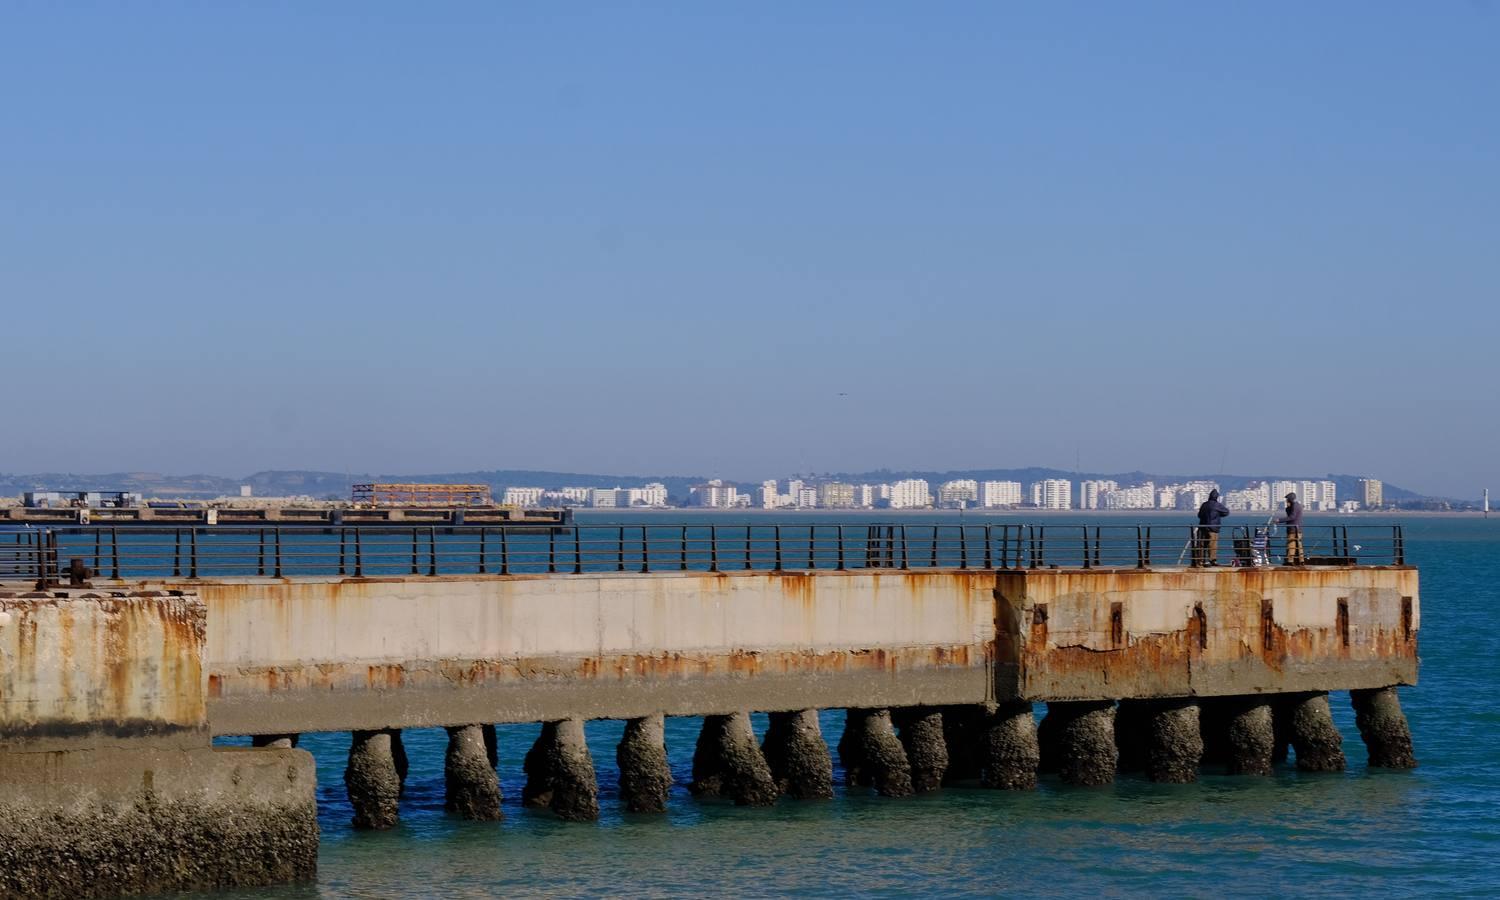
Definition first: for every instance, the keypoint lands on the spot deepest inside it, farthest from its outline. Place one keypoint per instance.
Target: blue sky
(744, 242)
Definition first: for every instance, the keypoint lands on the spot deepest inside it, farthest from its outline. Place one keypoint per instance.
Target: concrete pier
(1083, 742)
(798, 756)
(645, 777)
(1249, 737)
(560, 773)
(872, 755)
(727, 762)
(1315, 739)
(1010, 752)
(372, 780)
(920, 730)
(472, 787)
(1382, 724)
(1174, 741)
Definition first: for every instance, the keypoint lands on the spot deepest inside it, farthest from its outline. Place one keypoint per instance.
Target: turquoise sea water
(1432, 830)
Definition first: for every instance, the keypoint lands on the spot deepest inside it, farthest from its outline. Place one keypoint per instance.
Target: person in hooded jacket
(1293, 522)
(1206, 548)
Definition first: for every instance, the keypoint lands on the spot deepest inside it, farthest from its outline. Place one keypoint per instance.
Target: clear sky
(743, 242)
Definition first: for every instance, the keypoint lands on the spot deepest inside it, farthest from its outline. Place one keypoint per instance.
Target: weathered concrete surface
(1083, 741)
(872, 755)
(1315, 739)
(472, 787)
(283, 741)
(1249, 736)
(1084, 635)
(645, 776)
(372, 781)
(329, 654)
(728, 763)
(1382, 724)
(108, 783)
(560, 773)
(921, 732)
(1011, 753)
(1174, 743)
(798, 756)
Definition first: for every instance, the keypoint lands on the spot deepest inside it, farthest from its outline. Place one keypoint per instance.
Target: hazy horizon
(1160, 237)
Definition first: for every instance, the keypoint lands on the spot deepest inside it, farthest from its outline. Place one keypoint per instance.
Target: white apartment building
(913, 493)
(865, 496)
(836, 495)
(793, 490)
(770, 497)
(1328, 496)
(994, 494)
(962, 492)
(1091, 493)
(653, 495)
(807, 498)
(522, 496)
(1372, 493)
(604, 498)
(1141, 496)
(1053, 493)
(715, 495)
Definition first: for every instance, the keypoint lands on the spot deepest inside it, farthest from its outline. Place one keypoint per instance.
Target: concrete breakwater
(1156, 671)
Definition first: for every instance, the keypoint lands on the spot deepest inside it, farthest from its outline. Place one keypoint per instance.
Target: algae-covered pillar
(109, 783)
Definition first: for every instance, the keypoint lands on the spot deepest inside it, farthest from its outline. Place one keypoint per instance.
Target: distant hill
(280, 483)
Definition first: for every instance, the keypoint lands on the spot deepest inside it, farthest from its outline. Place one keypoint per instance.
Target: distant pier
(122, 652)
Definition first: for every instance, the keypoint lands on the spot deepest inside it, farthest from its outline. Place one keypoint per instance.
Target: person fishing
(1210, 513)
(1293, 522)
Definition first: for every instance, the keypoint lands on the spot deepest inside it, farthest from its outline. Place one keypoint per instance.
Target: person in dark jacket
(1209, 515)
(1293, 522)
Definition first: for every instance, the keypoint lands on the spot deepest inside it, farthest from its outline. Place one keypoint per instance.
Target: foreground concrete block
(798, 756)
(108, 782)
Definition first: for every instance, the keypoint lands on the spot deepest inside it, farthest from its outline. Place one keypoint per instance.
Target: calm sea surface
(1432, 830)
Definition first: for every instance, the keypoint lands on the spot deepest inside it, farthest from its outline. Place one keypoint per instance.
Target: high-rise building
(522, 496)
(958, 494)
(865, 496)
(1091, 492)
(770, 498)
(1141, 496)
(1279, 490)
(714, 495)
(993, 494)
(604, 498)
(836, 495)
(913, 493)
(1328, 496)
(653, 495)
(807, 498)
(1053, 493)
(1372, 493)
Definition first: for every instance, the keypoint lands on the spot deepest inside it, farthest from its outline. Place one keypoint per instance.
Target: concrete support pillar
(921, 735)
(1249, 736)
(728, 763)
(560, 773)
(645, 777)
(1009, 749)
(1133, 735)
(872, 755)
(372, 781)
(1382, 724)
(473, 788)
(1174, 741)
(1083, 743)
(798, 756)
(1318, 744)
(964, 729)
(282, 741)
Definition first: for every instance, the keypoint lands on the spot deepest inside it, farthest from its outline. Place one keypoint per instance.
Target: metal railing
(56, 555)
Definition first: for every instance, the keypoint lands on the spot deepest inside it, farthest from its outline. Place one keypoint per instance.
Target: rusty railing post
(777, 538)
(504, 552)
(192, 552)
(620, 551)
(812, 547)
(1399, 538)
(713, 548)
(114, 551)
(645, 551)
(414, 569)
(552, 549)
(1087, 560)
(432, 560)
(683, 545)
(839, 536)
(359, 553)
(260, 568)
(343, 550)
(277, 536)
(484, 546)
(989, 542)
(905, 550)
(98, 548)
(963, 547)
(1140, 549)
(748, 537)
(577, 549)
(176, 552)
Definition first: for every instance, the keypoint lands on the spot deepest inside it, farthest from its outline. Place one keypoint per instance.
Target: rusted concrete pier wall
(108, 782)
(1134, 634)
